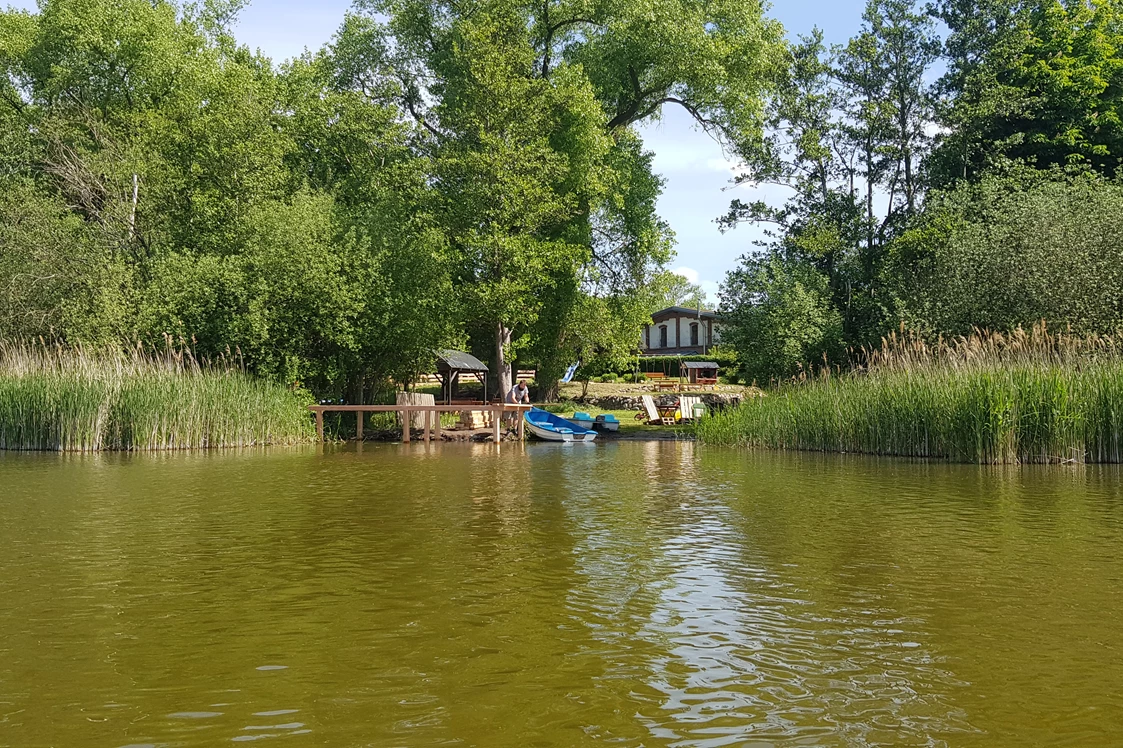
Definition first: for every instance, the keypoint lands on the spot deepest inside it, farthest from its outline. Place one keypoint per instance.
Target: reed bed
(55, 398)
(1027, 397)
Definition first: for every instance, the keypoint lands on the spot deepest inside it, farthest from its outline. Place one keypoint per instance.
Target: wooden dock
(432, 417)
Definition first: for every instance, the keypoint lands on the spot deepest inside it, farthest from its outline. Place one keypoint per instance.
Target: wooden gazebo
(451, 364)
(700, 372)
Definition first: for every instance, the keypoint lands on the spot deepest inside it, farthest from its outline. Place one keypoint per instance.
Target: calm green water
(623, 594)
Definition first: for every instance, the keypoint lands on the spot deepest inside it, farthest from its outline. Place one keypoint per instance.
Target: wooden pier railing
(432, 416)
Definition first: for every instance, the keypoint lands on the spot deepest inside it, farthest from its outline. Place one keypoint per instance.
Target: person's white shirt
(519, 393)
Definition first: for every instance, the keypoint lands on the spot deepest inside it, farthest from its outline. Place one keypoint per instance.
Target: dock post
(405, 425)
(359, 425)
(320, 424)
(496, 420)
(522, 423)
(437, 425)
(428, 418)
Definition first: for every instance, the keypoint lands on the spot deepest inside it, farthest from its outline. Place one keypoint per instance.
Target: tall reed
(88, 399)
(1029, 396)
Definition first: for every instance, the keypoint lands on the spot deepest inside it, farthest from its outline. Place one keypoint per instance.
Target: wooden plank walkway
(432, 416)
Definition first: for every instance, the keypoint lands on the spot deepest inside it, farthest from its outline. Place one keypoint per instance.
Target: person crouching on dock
(519, 394)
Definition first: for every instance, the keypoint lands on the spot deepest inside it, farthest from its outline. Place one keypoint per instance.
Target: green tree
(164, 180)
(1011, 250)
(779, 318)
(672, 289)
(526, 109)
(847, 135)
(1039, 82)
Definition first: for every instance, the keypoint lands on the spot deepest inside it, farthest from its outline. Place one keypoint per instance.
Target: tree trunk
(502, 368)
(869, 196)
(132, 211)
(355, 390)
(910, 193)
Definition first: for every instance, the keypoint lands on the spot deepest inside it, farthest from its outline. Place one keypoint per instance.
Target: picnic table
(660, 381)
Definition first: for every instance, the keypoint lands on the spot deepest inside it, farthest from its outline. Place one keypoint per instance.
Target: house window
(694, 333)
(662, 336)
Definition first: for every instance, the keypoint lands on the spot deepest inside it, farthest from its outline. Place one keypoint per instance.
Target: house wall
(678, 334)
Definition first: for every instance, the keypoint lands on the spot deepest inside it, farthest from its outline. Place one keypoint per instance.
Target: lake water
(654, 594)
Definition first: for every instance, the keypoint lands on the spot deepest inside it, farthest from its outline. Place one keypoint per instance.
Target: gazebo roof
(452, 360)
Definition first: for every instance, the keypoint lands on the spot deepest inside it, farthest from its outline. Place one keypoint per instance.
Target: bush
(610, 378)
(725, 358)
(85, 400)
(562, 406)
(1026, 398)
(780, 317)
(1011, 251)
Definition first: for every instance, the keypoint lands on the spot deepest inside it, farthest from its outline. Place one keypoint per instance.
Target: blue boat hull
(552, 428)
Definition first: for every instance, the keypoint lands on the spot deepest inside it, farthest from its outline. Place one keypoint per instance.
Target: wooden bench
(661, 381)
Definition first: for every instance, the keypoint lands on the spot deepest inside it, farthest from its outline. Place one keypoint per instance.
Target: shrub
(986, 399)
(1004, 253)
(87, 400)
(562, 406)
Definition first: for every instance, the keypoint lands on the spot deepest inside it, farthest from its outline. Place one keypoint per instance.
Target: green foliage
(634, 368)
(1029, 89)
(1011, 251)
(436, 176)
(57, 272)
(564, 406)
(544, 192)
(1028, 399)
(780, 317)
(1038, 82)
(671, 289)
(87, 400)
(846, 125)
(163, 180)
(670, 365)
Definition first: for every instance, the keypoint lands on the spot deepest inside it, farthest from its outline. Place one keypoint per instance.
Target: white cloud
(689, 273)
(708, 286)
(734, 168)
(932, 129)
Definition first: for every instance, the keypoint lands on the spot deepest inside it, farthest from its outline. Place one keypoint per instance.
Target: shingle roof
(699, 364)
(459, 361)
(686, 311)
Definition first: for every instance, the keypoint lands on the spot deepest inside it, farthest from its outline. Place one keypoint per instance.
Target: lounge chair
(691, 406)
(652, 414)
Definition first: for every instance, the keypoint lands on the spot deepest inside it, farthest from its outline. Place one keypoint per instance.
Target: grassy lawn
(572, 390)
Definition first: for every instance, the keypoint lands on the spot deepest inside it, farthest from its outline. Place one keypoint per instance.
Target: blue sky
(697, 173)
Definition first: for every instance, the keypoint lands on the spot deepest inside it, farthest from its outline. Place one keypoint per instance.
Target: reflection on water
(552, 595)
